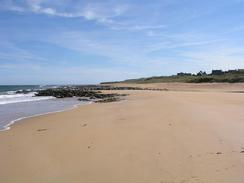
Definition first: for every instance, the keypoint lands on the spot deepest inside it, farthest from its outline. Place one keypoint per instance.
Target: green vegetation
(230, 76)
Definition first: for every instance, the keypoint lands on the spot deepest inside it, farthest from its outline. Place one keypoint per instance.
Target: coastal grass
(237, 77)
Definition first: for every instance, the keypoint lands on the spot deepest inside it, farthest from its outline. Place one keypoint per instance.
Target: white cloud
(91, 11)
(84, 42)
(138, 27)
(105, 13)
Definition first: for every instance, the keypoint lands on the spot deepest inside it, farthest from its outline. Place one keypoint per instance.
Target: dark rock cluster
(73, 92)
(83, 94)
(87, 93)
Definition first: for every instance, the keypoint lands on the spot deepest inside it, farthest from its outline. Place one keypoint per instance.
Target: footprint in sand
(122, 119)
(42, 129)
(84, 125)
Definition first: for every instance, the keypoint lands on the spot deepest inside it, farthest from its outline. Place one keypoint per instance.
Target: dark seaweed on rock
(84, 94)
(71, 92)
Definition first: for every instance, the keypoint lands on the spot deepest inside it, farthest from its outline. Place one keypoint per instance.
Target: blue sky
(86, 41)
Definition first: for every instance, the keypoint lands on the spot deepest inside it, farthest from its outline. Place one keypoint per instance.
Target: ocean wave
(16, 98)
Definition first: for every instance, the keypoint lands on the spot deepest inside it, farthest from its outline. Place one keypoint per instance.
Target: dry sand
(152, 137)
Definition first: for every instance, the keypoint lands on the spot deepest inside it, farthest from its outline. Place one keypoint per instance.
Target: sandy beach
(189, 134)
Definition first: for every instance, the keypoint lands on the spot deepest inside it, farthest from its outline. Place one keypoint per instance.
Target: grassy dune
(226, 77)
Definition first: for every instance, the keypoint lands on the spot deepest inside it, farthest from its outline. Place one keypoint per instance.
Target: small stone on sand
(43, 129)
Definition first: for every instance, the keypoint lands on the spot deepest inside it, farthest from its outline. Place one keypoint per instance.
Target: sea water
(15, 106)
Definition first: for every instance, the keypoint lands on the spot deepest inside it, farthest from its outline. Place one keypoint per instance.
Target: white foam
(16, 98)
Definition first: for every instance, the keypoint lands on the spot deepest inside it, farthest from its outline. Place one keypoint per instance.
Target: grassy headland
(218, 76)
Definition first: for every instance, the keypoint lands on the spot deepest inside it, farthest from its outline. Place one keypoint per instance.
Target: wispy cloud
(105, 13)
(101, 12)
(10, 53)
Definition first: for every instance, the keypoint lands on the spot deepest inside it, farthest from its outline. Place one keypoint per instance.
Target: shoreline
(11, 123)
(161, 86)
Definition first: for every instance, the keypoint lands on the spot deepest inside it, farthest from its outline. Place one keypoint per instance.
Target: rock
(73, 92)
(91, 92)
(84, 99)
(106, 100)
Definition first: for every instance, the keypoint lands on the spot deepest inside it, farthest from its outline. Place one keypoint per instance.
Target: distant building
(183, 74)
(217, 72)
(231, 71)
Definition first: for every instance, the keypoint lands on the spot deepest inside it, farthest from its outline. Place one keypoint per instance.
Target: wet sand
(152, 136)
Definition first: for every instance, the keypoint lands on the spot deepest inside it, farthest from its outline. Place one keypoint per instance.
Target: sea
(19, 102)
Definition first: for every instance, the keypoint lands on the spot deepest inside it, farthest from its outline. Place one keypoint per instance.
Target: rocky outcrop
(81, 93)
(88, 93)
